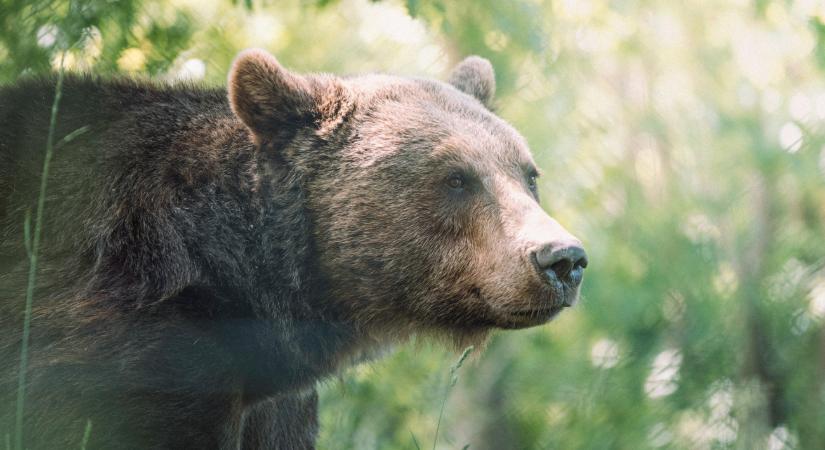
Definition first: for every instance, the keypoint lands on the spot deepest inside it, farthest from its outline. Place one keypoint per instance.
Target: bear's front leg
(285, 422)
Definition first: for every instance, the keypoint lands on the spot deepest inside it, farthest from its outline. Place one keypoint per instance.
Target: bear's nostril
(562, 261)
(562, 268)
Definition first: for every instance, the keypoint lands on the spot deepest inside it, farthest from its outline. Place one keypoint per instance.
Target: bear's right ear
(274, 102)
(475, 76)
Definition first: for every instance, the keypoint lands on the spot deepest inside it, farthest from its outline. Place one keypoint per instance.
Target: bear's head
(424, 203)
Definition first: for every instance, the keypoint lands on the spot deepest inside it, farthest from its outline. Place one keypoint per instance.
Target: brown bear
(209, 255)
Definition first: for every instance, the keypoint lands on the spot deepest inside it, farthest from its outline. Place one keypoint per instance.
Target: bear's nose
(563, 261)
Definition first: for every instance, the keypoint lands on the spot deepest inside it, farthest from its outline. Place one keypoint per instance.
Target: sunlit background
(682, 141)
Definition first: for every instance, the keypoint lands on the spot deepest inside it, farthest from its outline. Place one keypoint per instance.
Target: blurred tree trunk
(761, 370)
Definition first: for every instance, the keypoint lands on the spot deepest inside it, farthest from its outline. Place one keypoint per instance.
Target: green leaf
(412, 8)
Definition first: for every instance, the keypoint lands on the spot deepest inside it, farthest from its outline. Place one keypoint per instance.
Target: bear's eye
(455, 181)
(531, 183)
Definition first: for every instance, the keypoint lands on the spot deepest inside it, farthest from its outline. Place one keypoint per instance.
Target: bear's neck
(263, 281)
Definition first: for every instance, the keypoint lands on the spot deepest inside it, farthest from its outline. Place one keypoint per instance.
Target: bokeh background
(682, 141)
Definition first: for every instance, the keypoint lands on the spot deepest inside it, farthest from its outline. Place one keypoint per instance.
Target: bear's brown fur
(207, 258)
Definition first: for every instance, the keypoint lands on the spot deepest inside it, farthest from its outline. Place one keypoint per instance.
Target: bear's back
(141, 110)
(134, 145)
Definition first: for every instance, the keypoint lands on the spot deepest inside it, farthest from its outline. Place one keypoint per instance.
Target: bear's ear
(475, 76)
(275, 102)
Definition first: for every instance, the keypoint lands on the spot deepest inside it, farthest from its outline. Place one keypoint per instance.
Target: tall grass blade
(452, 381)
(86, 433)
(33, 248)
(415, 441)
(71, 136)
(27, 233)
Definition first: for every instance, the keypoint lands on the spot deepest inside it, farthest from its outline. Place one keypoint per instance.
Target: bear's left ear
(274, 102)
(475, 76)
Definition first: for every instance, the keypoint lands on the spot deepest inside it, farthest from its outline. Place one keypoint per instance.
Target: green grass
(86, 433)
(32, 242)
(450, 384)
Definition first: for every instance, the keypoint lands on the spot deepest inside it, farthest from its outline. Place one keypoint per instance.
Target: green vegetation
(32, 250)
(682, 141)
(86, 433)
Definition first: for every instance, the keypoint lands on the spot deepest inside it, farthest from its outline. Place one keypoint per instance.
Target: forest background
(683, 142)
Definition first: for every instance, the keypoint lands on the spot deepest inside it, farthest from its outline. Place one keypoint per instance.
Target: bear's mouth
(538, 312)
(548, 303)
(526, 315)
(534, 316)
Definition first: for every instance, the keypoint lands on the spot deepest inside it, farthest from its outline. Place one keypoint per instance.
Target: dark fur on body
(209, 255)
(158, 221)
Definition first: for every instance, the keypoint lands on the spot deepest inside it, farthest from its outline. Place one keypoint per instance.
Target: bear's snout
(561, 262)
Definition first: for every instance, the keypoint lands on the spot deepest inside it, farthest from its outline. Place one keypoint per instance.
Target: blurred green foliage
(682, 141)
